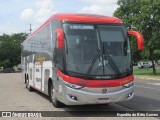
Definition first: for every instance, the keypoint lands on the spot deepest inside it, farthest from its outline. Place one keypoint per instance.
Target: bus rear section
(91, 60)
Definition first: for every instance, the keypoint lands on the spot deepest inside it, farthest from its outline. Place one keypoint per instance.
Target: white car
(145, 65)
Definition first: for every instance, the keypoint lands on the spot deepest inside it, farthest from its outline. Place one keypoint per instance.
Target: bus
(79, 59)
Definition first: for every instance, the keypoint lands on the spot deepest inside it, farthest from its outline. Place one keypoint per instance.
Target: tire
(29, 88)
(53, 99)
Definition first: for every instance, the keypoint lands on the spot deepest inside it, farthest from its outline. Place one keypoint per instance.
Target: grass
(147, 72)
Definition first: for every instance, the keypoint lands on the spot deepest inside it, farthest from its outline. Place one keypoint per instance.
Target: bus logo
(104, 90)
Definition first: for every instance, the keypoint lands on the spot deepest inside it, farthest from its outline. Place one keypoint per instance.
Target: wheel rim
(53, 95)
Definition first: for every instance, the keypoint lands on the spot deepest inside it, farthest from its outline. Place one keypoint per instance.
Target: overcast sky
(16, 15)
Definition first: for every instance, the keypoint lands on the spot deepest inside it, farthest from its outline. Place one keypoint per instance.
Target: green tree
(10, 49)
(144, 15)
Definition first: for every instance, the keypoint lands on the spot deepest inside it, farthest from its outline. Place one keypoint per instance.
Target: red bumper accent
(96, 83)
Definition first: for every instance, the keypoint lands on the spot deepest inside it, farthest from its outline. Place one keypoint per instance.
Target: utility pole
(30, 28)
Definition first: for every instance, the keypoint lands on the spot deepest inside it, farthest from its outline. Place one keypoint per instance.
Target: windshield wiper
(111, 62)
(93, 62)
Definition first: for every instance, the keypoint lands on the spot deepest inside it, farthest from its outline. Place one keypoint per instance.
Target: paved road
(147, 96)
(15, 97)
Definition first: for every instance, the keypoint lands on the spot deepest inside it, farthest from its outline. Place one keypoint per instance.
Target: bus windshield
(97, 51)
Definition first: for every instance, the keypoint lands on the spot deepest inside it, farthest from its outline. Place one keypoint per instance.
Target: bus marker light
(60, 88)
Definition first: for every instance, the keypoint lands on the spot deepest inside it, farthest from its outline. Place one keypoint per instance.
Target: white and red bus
(80, 59)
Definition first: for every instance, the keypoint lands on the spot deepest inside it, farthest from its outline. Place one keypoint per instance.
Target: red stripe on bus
(96, 83)
(85, 18)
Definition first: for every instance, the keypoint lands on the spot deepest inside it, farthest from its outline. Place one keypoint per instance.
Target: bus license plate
(103, 100)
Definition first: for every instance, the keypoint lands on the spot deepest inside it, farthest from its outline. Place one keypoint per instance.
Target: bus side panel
(31, 74)
(37, 55)
(47, 73)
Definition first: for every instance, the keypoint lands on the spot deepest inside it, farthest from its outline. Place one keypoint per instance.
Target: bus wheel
(25, 79)
(28, 86)
(53, 99)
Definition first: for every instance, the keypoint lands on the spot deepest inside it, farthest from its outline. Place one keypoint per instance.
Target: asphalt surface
(15, 97)
(147, 96)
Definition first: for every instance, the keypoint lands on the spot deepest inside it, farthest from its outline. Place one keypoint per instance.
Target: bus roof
(85, 18)
(73, 17)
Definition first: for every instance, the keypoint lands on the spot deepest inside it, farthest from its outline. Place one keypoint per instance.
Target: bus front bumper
(80, 97)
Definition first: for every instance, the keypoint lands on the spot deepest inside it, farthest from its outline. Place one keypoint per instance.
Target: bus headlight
(128, 85)
(74, 86)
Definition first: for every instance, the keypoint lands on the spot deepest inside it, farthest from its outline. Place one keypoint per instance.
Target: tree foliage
(10, 49)
(144, 15)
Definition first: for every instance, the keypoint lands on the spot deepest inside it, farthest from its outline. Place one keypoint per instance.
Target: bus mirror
(60, 38)
(139, 37)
